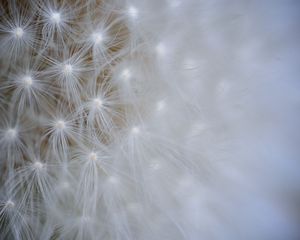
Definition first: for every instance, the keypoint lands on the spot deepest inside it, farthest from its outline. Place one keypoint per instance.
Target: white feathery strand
(102, 108)
(60, 130)
(67, 71)
(17, 32)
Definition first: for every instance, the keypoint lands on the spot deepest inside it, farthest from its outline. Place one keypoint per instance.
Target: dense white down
(149, 120)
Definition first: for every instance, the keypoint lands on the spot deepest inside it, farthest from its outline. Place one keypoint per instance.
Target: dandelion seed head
(120, 113)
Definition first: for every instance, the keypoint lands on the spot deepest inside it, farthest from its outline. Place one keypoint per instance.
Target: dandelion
(126, 119)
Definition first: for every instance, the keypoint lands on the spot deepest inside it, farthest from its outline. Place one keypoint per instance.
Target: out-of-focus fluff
(149, 120)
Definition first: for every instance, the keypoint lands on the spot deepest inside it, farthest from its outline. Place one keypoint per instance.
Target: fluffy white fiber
(149, 120)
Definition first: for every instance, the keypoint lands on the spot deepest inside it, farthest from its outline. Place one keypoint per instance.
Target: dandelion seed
(55, 17)
(10, 204)
(98, 102)
(67, 69)
(27, 81)
(38, 165)
(113, 180)
(98, 38)
(11, 133)
(133, 12)
(135, 130)
(161, 49)
(93, 156)
(155, 166)
(125, 74)
(60, 125)
(19, 32)
(160, 105)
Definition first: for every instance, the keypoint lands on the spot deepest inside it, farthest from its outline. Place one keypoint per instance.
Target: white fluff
(149, 119)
